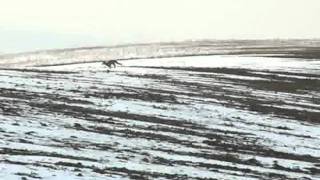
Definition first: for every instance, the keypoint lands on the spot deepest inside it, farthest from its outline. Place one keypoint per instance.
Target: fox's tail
(116, 62)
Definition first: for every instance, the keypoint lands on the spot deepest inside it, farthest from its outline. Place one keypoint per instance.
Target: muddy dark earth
(255, 119)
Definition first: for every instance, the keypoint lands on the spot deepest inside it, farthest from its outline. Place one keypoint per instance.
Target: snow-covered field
(201, 117)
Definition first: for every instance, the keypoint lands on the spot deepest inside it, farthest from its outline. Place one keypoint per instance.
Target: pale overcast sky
(41, 24)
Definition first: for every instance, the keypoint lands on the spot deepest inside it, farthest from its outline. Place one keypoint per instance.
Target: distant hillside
(309, 49)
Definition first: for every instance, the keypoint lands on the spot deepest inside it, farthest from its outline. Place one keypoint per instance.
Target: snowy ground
(205, 117)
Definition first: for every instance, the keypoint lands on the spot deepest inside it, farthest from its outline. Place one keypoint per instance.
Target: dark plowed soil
(160, 122)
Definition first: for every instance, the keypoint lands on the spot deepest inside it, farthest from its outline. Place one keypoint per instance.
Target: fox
(111, 63)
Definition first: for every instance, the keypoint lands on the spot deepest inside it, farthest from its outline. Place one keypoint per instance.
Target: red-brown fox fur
(111, 63)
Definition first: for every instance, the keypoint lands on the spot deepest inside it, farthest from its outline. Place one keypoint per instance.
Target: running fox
(111, 63)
